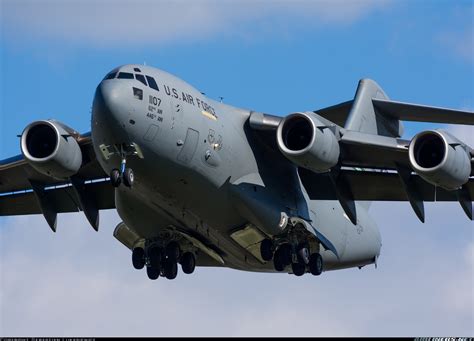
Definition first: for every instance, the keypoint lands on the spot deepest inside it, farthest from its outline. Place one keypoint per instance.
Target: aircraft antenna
(221, 98)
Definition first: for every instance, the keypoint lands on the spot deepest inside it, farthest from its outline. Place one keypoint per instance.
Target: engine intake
(51, 148)
(440, 159)
(307, 142)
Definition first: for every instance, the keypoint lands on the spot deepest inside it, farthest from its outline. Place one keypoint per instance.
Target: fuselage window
(140, 78)
(152, 83)
(125, 75)
(111, 75)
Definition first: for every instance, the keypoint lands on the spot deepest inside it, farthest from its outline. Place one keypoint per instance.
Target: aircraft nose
(111, 109)
(111, 103)
(109, 97)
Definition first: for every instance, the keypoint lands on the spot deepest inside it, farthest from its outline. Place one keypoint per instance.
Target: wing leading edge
(23, 190)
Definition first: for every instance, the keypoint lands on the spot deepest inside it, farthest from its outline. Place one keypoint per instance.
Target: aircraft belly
(149, 214)
(357, 245)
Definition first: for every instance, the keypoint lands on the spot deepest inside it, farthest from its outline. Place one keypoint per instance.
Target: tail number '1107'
(154, 100)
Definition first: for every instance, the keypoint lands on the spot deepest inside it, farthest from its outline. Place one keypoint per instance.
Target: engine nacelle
(51, 148)
(307, 142)
(440, 159)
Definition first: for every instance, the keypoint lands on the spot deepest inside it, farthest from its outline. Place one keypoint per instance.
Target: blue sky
(273, 56)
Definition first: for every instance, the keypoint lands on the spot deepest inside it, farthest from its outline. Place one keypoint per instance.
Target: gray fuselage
(207, 173)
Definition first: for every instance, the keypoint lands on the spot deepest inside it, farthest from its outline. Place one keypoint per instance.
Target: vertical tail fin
(364, 117)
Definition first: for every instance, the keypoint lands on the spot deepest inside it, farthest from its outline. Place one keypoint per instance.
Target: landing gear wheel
(128, 177)
(154, 257)
(188, 263)
(138, 258)
(266, 250)
(298, 269)
(277, 261)
(316, 264)
(303, 254)
(170, 269)
(172, 251)
(153, 273)
(285, 254)
(115, 179)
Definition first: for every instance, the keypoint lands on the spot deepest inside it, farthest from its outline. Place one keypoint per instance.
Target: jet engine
(51, 148)
(307, 142)
(440, 159)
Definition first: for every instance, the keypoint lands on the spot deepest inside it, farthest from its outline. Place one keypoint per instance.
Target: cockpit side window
(140, 78)
(137, 93)
(111, 75)
(125, 75)
(152, 83)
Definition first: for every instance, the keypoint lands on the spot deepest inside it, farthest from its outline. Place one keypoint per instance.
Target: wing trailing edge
(350, 185)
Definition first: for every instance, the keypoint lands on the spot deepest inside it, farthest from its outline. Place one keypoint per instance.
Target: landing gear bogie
(163, 259)
(297, 254)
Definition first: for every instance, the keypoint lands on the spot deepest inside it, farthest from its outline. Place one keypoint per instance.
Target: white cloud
(79, 282)
(149, 23)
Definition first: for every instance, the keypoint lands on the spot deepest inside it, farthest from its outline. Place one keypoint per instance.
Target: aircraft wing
(23, 190)
(372, 166)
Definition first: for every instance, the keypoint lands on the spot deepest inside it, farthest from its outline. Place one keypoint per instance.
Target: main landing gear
(298, 256)
(163, 261)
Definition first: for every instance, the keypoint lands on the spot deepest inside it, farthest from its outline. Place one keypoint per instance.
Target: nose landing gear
(123, 174)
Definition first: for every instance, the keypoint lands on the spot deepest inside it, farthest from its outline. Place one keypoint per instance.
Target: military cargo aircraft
(201, 183)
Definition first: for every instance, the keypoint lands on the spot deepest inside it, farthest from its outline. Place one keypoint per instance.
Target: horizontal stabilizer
(422, 113)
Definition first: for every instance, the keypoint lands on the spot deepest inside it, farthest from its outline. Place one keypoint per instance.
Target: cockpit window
(152, 83)
(125, 75)
(111, 75)
(138, 93)
(137, 69)
(140, 78)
